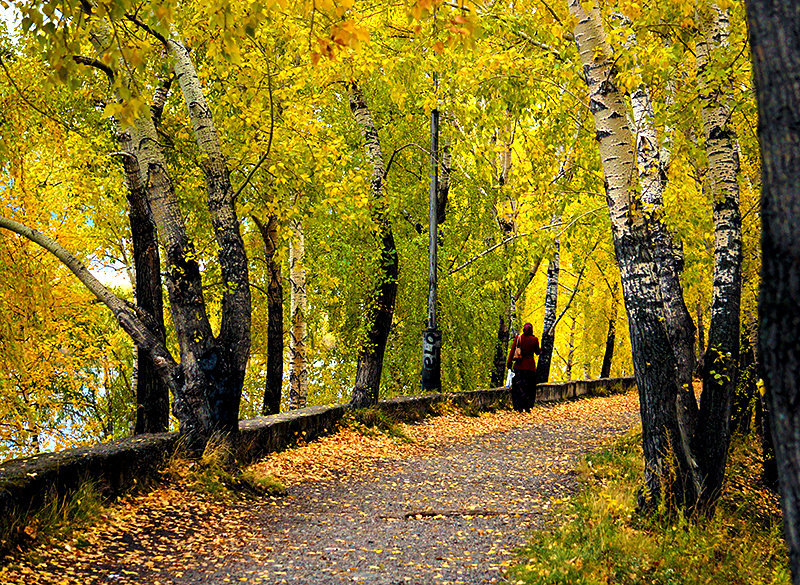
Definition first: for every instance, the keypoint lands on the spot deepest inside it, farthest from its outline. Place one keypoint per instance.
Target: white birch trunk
(653, 357)
(722, 353)
(298, 373)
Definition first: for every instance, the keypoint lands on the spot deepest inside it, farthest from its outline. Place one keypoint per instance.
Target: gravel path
(451, 512)
(453, 515)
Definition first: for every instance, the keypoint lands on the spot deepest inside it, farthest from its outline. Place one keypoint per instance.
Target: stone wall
(118, 466)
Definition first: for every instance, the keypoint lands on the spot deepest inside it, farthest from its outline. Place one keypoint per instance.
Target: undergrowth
(599, 538)
(373, 421)
(217, 475)
(55, 520)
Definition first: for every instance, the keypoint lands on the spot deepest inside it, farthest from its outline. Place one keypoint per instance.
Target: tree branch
(575, 291)
(90, 62)
(129, 320)
(148, 29)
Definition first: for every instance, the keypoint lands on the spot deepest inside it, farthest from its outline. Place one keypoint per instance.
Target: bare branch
(575, 291)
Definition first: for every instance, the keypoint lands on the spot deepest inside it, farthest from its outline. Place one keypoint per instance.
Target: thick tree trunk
(669, 254)
(775, 37)
(668, 463)
(224, 359)
(712, 437)
(550, 315)
(274, 384)
(381, 307)
(152, 394)
(298, 339)
(207, 383)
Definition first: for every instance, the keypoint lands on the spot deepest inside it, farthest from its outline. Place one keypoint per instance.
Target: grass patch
(600, 539)
(216, 474)
(57, 519)
(373, 421)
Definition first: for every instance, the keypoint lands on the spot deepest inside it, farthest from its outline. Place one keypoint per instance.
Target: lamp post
(432, 337)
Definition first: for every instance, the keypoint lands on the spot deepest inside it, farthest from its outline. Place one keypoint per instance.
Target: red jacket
(529, 345)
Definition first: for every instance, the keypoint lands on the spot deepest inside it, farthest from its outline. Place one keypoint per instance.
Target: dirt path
(449, 508)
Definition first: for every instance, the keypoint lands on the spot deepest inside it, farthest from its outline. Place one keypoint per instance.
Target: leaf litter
(447, 505)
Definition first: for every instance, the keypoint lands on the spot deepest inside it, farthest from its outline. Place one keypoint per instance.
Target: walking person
(521, 359)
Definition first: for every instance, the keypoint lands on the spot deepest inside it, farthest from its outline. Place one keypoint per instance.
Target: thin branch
(574, 292)
(33, 106)
(164, 41)
(576, 219)
(514, 237)
(271, 134)
(396, 150)
(487, 250)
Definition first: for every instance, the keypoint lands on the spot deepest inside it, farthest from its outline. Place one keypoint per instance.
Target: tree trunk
(669, 254)
(298, 372)
(668, 464)
(775, 38)
(746, 392)
(712, 437)
(550, 315)
(274, 383)
(608, 355)
(701, 338)
(500, 354)
(207, 383)
(381, 307)
(152, 394)
(571, 349)
(769, 474)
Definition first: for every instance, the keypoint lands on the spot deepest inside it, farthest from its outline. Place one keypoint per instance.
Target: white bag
(509, 378)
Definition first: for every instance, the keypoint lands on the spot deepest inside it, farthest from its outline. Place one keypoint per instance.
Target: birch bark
(712, 438)
(152, 394)
(550, 315)
(608, 354)
(381, 311)
(274, 383)
(298, 339)
(653, 357)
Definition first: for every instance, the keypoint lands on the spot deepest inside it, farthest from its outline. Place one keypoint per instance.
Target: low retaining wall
(118, 466)
(576, 388)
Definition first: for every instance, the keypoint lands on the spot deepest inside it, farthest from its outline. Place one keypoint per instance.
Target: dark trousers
(523, 390)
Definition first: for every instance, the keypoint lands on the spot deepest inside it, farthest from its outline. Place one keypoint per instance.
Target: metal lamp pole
(432, 337)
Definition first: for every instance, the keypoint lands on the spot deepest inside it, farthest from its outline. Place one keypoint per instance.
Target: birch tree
(298, 336)
(722, 353)
(381, 307)
(207, 381)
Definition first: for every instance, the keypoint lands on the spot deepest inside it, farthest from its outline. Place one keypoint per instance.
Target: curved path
(450, 512)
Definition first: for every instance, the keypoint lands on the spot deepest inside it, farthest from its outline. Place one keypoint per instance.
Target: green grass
(55, 520)
(216, 474)
(373, 422)
(598, 537)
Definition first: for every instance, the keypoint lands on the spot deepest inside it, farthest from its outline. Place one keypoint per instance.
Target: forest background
(526, 190)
